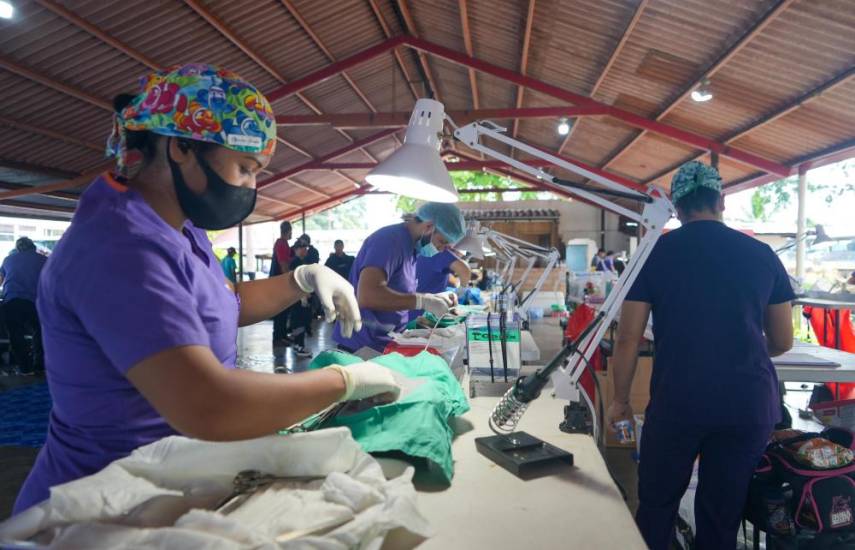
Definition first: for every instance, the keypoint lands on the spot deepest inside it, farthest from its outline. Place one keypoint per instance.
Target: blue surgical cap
(446, 217)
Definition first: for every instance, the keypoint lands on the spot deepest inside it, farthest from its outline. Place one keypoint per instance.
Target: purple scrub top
(391, 249)
(121, 286)
(432, 274)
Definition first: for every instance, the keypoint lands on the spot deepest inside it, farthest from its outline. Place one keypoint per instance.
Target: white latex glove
(367, 379)
(336, 295)
(438, 304)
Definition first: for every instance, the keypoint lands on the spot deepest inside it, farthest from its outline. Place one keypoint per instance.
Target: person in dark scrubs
(721, 304)
(140, 331)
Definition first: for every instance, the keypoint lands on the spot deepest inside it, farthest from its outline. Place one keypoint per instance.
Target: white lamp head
(415, 169)
(472, 243)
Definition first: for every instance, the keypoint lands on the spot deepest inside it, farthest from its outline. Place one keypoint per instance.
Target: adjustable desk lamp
(425, 129)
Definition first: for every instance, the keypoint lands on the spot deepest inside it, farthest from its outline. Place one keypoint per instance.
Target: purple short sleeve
(136, 303)
(387, 258)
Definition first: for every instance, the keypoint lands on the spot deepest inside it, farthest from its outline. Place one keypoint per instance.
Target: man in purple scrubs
(384, 274)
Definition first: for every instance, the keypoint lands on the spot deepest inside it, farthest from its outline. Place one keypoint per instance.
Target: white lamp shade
(472, 243)
(415, 169)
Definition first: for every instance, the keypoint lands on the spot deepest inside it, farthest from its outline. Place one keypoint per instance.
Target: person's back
(709, 287)
(20, 274)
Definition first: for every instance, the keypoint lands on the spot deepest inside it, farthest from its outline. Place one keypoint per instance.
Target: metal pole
(800, 223)
(714, 160)
(240, 252)
(602, 228)
(303, 222)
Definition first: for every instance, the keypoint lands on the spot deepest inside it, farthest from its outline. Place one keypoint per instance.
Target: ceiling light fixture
(702, 92)
(7, 10)
(563, 127)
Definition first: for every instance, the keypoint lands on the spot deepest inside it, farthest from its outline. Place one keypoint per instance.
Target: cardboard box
(639, 395)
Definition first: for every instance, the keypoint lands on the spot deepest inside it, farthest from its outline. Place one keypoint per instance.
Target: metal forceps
(246, 483)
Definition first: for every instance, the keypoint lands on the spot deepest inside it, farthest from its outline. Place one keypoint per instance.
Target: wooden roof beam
(624, 37)
(232, 37)
(410, 23)
(782, 110)
(37, 168)
(628, 117)
(76, 181)
(396, 53)
(282, 176)
(765, 20)
(54, 194)
(75, 19)
(526, 42)
(35, 76)
(12, 123)
(400, 119)
(467, 43)
(289, 5)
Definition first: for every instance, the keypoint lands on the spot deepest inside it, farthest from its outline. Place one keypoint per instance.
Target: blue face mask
(426, 247)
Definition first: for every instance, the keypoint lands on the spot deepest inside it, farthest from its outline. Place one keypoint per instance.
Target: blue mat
(24, 415)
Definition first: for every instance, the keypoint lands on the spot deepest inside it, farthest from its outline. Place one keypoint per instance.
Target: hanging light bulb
(702, 92)
(7, 10)
(563, 127)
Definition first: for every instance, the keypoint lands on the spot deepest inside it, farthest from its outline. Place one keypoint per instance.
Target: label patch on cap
(242, 140)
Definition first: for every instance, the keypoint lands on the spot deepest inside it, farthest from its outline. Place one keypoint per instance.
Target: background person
(229, 265)
(339, 261)
(19, 276)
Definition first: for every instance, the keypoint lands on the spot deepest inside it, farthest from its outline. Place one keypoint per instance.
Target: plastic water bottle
(624, 431)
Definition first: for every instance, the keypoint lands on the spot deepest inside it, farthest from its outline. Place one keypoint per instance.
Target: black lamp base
(524, 455)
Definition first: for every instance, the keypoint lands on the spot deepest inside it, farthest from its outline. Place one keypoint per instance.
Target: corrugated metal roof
(67, 75)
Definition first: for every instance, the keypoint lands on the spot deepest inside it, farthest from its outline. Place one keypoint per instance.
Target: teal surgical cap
(691, 176)
(446, 217)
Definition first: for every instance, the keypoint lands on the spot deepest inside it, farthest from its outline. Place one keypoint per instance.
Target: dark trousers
(280, 325)
(300, 319)
(728, 456)
(21, 318)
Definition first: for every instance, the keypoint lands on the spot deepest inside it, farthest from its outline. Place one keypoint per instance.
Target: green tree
(770, 198)
(473, 180)
(350, 215)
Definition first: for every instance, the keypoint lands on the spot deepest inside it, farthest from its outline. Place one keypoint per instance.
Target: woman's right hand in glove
(363, 380)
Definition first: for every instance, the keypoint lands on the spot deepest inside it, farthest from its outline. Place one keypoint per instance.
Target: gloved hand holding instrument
(438, 304)
(336, 295)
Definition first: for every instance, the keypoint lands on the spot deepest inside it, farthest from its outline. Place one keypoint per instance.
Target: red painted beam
(282, 176)
(632, 119)
(335, 68)
(400, 119)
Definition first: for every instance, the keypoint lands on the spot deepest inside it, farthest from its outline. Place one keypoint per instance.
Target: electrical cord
(601, 441)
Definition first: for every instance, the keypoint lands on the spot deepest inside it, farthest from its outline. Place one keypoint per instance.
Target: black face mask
(219, 206)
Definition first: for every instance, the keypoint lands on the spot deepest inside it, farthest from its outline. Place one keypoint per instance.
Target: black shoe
(300, 351)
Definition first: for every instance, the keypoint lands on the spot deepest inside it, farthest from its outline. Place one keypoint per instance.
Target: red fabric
(282, 252)
(822, 321)
(407, 351)
(576, 323)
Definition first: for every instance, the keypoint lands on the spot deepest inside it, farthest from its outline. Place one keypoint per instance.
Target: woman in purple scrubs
(139, 323)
